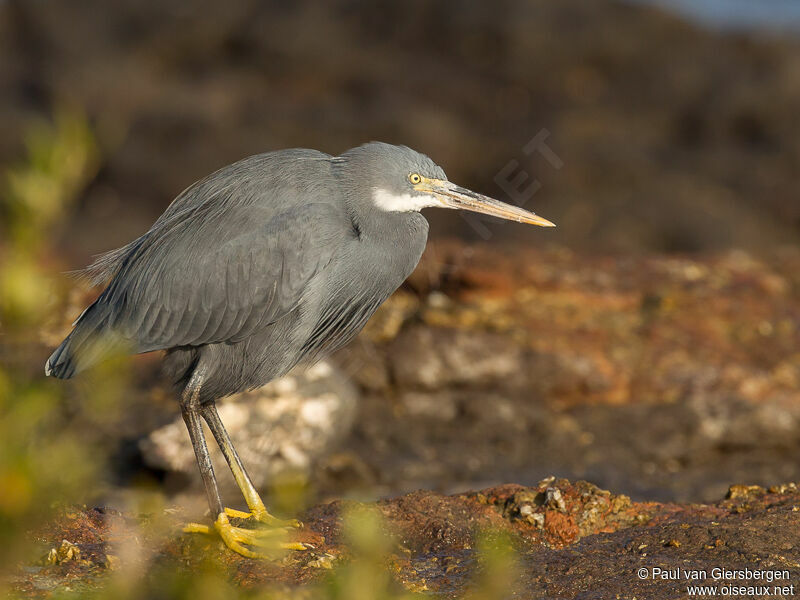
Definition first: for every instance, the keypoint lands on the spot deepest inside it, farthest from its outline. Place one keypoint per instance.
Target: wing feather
(193, 290)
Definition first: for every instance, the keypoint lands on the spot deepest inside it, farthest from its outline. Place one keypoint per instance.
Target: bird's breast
(358, 282)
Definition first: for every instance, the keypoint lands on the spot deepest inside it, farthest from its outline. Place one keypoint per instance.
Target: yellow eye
(414, 178)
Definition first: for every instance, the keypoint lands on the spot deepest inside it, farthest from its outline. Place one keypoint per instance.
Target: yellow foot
(262, 516)
(271, 542)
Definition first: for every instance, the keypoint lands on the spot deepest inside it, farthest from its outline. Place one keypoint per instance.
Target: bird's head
(399, 179)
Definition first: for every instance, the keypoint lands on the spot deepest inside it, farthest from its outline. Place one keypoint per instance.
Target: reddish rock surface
(662, 377)
(669, 377)
(570, 539)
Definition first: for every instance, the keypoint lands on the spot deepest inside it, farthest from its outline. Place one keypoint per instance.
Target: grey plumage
(273, 260)
(248, 271)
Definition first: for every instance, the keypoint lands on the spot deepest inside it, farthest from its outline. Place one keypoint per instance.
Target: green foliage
(497, 567)
(41, 464)
(366, 576)
(62, 157)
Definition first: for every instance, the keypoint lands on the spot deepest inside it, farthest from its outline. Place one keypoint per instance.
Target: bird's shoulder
(272, 182)
(259, 192)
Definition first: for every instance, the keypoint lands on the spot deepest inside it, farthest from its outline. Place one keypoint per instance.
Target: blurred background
(676, 134)
(649, 343)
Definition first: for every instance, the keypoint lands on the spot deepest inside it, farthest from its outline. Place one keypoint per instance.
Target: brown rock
(597, 540)
(435, 358)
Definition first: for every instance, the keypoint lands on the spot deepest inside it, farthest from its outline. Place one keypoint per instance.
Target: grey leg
(191, 416)
(192, 419)
(251, 496)
(236, 538)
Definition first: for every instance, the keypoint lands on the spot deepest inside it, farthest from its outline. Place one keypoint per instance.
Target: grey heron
(269, 262)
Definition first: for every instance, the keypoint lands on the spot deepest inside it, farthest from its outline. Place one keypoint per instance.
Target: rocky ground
(664, 378)
(669, 380)
(570, 540)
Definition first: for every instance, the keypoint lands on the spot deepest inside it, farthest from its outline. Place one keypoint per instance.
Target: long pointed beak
(453, 196)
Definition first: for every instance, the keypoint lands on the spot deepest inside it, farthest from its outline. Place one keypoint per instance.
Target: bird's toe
(265, 518)
(263, 542)
(238, 514)
(196, 528)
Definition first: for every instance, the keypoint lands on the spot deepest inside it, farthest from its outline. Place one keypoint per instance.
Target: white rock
(286, 425)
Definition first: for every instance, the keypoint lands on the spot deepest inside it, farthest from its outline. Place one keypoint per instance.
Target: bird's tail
(89, 342)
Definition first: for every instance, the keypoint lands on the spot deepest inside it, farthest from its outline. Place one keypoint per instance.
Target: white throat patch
(388, 201)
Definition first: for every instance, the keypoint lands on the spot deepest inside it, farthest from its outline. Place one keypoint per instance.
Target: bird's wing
(203, 282)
